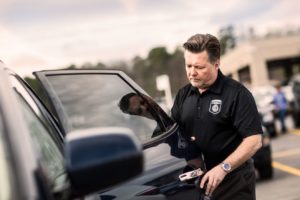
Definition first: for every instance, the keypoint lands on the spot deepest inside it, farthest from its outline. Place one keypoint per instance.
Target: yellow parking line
(286, 153)
(295, 132)
(286, 168)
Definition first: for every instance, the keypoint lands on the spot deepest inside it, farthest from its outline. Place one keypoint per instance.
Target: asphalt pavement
(286, 163)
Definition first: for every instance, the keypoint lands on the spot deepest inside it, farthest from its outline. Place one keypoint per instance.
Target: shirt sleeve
(246, 119)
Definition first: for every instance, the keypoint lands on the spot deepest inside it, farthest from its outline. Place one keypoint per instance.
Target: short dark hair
(201, 42)
(124, 102)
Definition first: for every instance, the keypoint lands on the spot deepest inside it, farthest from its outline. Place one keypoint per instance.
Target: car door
(83, 99)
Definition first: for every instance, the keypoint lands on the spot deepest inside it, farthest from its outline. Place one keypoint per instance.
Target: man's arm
(244, 151)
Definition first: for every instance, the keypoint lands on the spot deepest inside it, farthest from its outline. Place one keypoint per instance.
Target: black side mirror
(100, 158)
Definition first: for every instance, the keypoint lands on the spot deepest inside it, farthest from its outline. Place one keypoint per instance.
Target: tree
(146, 70)
(71, 67)
(227, 38)
(176, 70)
(159, 62)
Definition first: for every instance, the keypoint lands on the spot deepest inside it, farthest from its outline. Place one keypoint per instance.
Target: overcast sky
(36, 35)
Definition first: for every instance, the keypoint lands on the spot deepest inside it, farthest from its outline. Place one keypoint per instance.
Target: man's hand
(213, 178)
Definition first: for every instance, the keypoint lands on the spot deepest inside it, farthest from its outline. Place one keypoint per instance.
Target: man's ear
(217, 64)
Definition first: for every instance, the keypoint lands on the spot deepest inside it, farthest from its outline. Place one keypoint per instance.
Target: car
(264, 101)
(295, 84)
(264, 98)
(263, 158)
(37, 163)
(83, 99)
(85, 137)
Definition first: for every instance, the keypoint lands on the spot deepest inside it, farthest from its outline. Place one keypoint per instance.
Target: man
(281, 105)
(221, 116)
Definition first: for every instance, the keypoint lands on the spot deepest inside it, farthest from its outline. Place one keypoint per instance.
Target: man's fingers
(203, 181)
(215, 184)
(209, 187)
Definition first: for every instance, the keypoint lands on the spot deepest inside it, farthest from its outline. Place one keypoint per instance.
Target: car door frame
(57, 106)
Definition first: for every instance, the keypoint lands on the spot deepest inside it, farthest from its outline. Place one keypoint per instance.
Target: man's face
(137, 106)
(200, 72)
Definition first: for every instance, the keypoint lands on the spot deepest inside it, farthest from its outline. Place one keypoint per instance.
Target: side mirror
(100, 158)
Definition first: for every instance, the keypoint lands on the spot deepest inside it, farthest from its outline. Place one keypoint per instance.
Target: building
(260, 61)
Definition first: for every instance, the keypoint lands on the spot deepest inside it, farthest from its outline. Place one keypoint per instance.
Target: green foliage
(227, 38)
(71, 67)
(159, 62)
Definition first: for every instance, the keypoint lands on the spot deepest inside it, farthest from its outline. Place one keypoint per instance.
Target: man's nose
(193, 71)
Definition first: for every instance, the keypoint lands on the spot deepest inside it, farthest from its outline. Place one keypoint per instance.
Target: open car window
(85, 99)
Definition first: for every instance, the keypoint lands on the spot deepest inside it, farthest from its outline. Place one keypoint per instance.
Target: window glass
(47, 150)
(96, 100)
(6, 178)
(244, 75)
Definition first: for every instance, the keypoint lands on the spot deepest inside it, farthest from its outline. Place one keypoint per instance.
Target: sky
(38, 35)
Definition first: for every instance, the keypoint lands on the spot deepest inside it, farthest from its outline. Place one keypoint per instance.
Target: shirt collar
(216, 87)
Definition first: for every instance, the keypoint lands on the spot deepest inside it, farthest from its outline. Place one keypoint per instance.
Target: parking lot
(286, 163)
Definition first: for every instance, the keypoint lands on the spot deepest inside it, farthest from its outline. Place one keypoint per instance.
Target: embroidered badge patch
(215, 106)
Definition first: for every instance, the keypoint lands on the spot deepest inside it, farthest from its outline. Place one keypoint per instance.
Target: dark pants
(281, 115)
(237, 185)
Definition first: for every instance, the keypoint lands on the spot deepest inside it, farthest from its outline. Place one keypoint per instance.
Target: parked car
(264, 98)
(92, 98)
(36, 162)
(70, 152)
(295, 84)
(264, 101)
(263, 158)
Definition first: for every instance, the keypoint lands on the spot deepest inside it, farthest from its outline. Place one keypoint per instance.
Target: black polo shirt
(219, 118)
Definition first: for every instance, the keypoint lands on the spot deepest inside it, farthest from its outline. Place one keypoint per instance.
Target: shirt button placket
(198, 109)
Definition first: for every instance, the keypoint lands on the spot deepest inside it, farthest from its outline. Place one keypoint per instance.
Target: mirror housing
(100, 158)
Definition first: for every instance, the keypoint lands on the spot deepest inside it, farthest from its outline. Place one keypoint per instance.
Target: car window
(94, 100)
(46, 149)
(6, 185)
